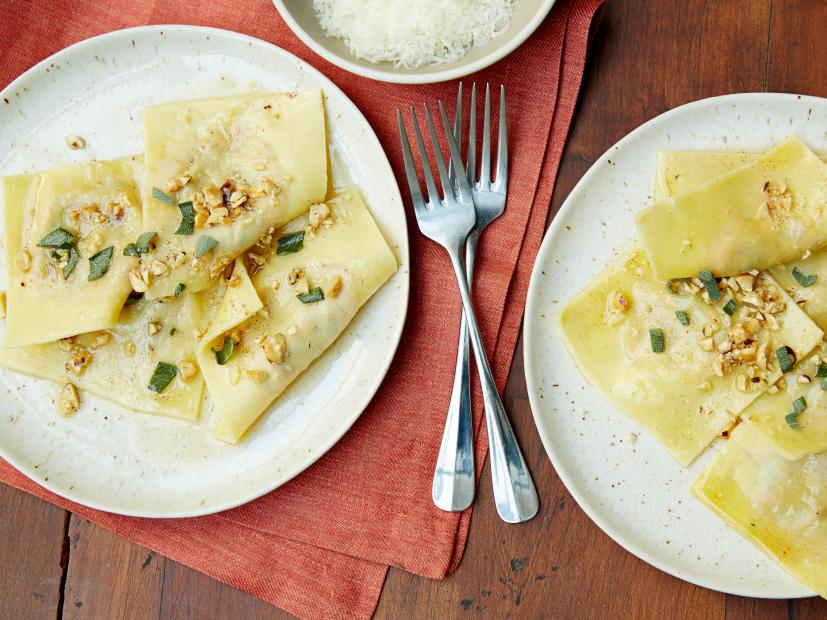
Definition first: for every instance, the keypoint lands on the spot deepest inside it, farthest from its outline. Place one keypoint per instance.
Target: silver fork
(453, 487)
(448, 221)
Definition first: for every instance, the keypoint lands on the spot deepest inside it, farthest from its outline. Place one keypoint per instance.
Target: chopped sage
(822, 370)
(683, 317)
(187, 226)
(71, 262)
(142, 244)
(59, 238)
(289, 244)
(786, 361)
(131, 250)
(204, 245)
(799, 405)
(157, 194)
(656, 336)
(99, 263)
(792, 420)
(313, 295)
(162, 377)
(710, 284)
(824, 384)
(730, 306)
(172, 331)
(223, 355)
(803, 280)
(180, 289)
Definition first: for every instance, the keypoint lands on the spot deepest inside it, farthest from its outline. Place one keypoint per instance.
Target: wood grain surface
(648, 56)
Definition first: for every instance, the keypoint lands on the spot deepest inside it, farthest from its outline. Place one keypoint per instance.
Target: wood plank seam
(64, 565)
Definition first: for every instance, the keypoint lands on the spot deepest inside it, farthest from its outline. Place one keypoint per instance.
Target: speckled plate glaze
(117, 460)
(634, 490)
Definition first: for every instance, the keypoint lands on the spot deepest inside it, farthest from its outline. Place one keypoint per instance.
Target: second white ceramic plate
(120, 461)
(634, 490)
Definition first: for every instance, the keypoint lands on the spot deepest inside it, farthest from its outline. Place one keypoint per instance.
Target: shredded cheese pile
(413, 33)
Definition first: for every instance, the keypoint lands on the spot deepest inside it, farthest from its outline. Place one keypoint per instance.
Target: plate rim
(531, 326)
(402, 252)
(432, 77)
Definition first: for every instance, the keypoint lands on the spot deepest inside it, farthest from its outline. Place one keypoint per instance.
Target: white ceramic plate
(137, 464)
(301, 18)
(634, 490)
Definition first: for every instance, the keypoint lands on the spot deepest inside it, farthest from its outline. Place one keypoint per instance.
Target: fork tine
(471, 164)
(410, 169)
(501, 182)
(485, 164)
(433, 194)
(463, 188)
(457, 131)
(448, 190)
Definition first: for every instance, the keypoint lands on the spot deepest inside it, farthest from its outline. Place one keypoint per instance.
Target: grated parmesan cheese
(413, 33)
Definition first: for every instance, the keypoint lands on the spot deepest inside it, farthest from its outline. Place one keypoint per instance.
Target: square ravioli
(766, 212)
(221, 172)
(680, 171)
(682, 366)
(66, 229)
(118, 364)
(271, 327)
(778, 505)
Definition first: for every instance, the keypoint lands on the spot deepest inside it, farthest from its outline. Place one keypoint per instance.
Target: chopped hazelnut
(69, 400)
(78, 363)
(275, 348)
(235, 335)
(178, 182)
(294, 275)
(139, 285)
(188, 370)
(213, 196)
(745, 281)
(219, 215)
(302, 286)
(318, 213)
(101, 339)
(153, 327)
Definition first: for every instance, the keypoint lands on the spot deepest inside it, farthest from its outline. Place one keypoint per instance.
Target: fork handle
(453, 488)
(514, 492)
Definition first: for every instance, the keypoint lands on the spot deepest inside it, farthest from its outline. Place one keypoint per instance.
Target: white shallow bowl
(108, 457)
(300, 17)
(634, 490)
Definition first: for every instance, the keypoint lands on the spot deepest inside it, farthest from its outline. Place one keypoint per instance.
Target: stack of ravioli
(219, 257)
(715, 327)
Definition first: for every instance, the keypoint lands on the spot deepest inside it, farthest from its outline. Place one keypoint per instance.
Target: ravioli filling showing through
(270, 327)
(219, 173)
(65, 231)
(685, 380)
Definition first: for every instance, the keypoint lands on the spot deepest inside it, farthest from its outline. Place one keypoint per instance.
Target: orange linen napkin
(320, 545)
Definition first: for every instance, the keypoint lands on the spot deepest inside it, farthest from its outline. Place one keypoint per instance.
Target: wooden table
(648, 56)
